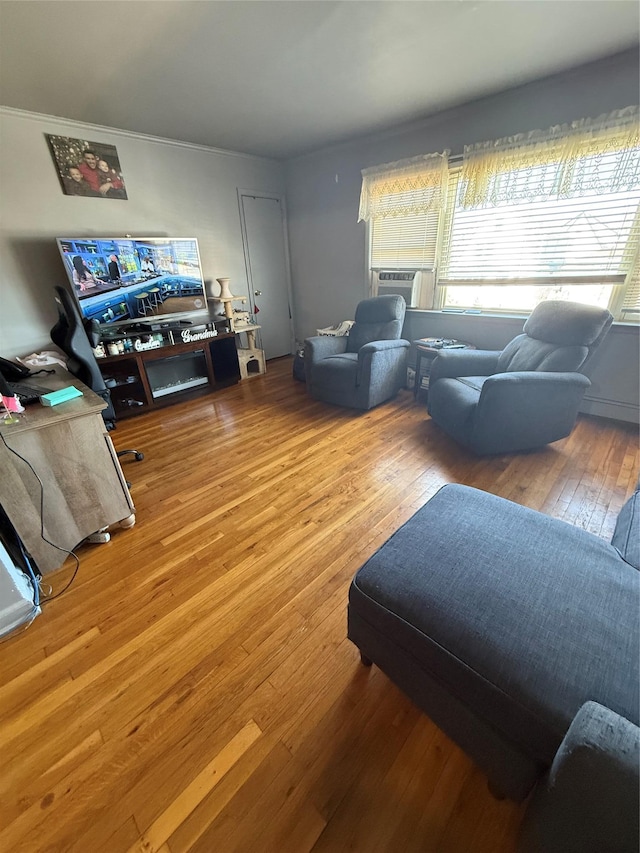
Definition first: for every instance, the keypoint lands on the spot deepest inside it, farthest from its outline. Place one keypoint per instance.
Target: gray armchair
(525, 396)
(368, 366)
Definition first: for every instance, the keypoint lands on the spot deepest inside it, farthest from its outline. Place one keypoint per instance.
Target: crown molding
(129, 134)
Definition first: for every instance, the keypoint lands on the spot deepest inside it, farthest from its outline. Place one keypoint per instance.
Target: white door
(265, 249)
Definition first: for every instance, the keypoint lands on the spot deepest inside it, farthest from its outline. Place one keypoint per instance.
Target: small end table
(430, 348)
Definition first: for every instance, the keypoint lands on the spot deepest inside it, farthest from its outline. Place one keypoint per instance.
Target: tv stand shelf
(150, 378)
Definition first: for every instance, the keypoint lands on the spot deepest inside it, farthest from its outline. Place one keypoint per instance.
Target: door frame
(287, 259)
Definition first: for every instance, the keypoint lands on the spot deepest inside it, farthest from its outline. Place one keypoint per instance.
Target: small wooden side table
(430, 348)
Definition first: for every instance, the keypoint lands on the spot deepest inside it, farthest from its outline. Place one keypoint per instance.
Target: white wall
(328, 246)
(174, 189)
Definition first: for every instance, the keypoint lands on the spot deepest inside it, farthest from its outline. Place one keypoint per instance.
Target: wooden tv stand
(177, 369)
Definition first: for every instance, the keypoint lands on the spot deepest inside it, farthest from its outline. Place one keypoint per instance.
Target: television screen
(119, 280)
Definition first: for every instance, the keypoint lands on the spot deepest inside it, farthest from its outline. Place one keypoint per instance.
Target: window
(407, 242)
(511, 256)
(404, 202)
(554, 215)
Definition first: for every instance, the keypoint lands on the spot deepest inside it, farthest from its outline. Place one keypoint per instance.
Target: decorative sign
(188, 337)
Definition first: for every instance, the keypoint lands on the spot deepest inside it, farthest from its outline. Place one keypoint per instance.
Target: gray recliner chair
(366, 367)
(529, 394)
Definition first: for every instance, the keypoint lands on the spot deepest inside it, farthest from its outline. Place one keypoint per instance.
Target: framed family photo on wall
(89, 169)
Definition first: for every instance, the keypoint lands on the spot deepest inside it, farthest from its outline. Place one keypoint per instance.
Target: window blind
(405, 242)
(582, 240)
(631, 302)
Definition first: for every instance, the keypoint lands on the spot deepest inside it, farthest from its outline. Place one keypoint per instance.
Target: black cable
(47, 599)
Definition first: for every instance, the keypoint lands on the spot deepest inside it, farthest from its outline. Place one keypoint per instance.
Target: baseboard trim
(614, 409)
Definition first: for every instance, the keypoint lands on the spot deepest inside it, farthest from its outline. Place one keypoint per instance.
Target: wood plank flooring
(193, 690)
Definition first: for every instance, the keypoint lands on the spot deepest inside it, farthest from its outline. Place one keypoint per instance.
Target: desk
(430, 348)
(69, 448)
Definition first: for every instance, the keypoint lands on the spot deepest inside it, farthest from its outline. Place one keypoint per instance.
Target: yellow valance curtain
(406, 187)
(587, 157)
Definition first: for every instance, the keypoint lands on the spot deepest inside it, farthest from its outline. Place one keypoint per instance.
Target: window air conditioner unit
(407, 283)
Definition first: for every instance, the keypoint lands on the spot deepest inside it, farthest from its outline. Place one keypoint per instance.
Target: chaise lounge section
(501, 624)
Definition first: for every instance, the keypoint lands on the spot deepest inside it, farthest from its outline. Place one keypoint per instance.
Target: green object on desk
(60, 396)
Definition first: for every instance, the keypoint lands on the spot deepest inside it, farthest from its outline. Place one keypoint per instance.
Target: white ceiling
(282, 78)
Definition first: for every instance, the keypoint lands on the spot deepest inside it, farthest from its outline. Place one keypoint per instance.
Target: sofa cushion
(589, 801)
(520, 616)
(626, 536)
(337, 372)
(455, 403)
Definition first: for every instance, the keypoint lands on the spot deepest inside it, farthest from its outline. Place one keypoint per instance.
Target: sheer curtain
(588, 157)
(404, 188)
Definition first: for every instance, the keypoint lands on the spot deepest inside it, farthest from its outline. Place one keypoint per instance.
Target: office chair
(76, 338)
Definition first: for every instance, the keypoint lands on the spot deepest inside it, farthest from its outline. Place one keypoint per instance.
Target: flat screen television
(122, 280)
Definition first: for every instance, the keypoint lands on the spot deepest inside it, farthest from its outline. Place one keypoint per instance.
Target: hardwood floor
(194, 690)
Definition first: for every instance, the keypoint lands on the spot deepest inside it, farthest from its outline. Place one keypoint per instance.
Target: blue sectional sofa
(508, 628)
